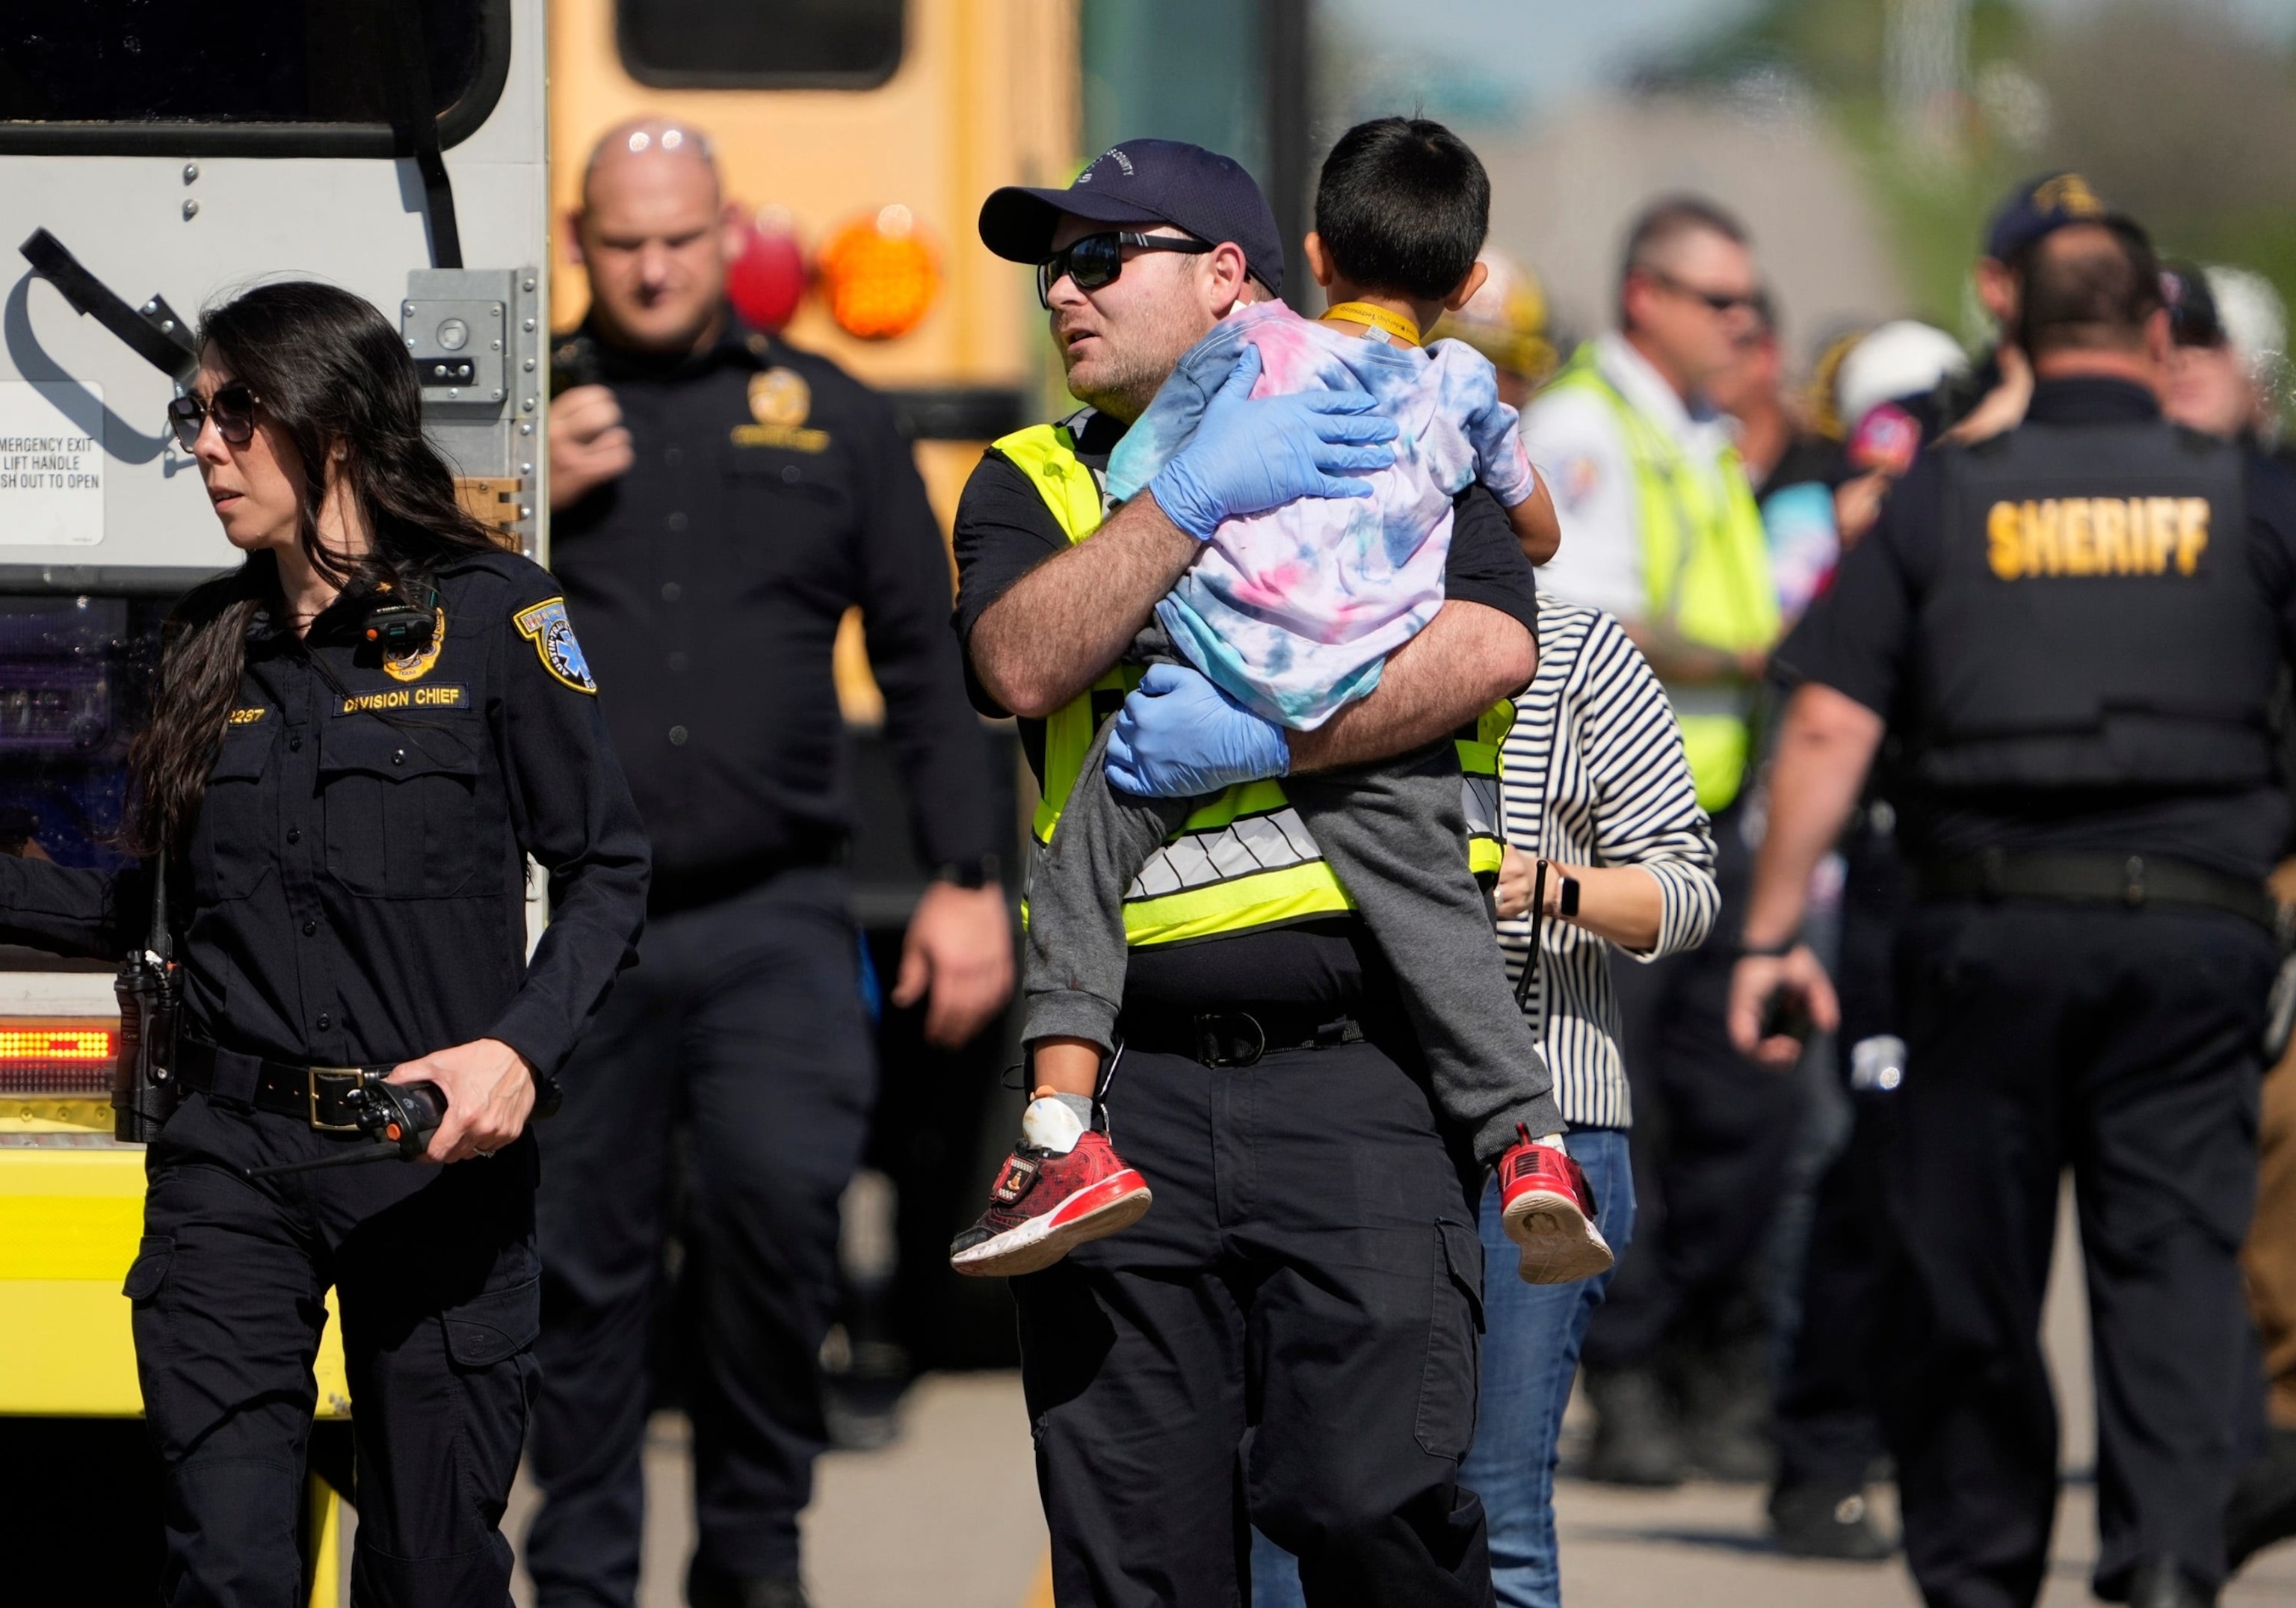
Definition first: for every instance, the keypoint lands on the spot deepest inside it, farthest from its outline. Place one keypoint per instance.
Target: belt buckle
(1208, 1045)
(311, 1077)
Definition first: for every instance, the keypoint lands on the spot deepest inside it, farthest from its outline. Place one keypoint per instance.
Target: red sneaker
(1549, 1212)
(1045, 1204)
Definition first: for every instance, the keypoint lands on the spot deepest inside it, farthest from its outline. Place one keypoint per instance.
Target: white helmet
(2256, 323)
(1899, 359)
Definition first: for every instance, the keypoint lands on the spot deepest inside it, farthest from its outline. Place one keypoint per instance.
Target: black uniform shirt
(355, 890)
(1952, 398)
(1858, 639)
(1004, 530)
(772, 492)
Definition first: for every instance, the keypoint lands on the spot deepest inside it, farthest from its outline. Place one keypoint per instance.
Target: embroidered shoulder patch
(547, 626)
(1581, 477)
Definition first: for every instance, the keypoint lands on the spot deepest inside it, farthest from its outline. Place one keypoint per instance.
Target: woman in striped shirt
(1594, 782)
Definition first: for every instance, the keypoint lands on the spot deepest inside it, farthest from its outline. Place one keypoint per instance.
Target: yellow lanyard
(1394, 324)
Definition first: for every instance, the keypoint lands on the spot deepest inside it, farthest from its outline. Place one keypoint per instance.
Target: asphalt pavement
(947, 1518)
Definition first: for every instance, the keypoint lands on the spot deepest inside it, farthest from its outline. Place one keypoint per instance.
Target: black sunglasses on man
(1096, 259)
(1716, 301)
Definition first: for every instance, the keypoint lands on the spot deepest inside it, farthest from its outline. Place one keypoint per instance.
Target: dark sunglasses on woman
(231, 407)
(1096, 259)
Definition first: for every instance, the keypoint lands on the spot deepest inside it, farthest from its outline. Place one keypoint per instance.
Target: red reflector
(68, 1056)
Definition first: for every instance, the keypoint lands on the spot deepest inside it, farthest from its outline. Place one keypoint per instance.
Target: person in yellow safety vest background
(1660, 529)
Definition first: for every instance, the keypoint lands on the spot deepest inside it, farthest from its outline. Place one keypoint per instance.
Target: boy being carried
(1291, 614)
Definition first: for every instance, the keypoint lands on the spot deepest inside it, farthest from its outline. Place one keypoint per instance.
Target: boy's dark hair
(1403, 206)
(2087, 287)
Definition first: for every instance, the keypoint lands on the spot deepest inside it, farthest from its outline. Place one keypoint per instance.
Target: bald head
(639, 144)
(653, 232)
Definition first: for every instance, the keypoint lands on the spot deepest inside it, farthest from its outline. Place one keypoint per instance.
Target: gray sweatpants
(1396, 834)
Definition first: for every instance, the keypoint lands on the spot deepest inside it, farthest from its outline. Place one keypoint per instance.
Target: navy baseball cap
(2040, 205)
(1143, 181)
(2192, 316)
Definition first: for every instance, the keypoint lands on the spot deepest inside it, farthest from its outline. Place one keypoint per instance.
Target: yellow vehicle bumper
(71, 1214)
(70, 1219)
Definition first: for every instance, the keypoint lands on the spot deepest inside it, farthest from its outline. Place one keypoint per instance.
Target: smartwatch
(974, 873)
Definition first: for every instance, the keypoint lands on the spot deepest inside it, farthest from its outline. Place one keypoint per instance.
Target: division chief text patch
(391, 700)
(545, 626)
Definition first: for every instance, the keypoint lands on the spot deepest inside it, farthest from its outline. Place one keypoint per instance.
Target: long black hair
(331, 376)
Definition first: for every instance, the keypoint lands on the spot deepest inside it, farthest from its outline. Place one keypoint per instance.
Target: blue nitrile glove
(1247, 457)
(1178, 736)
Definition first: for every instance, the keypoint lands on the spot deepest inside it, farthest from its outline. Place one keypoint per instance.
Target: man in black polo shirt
(719, 500)
(2072, 631)
(1301, 1304)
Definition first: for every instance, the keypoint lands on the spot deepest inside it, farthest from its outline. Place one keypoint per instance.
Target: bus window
(766, 44)
(73, 677)
(121, 74)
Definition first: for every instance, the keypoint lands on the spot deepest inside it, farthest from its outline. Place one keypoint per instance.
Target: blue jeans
(1530, 1357)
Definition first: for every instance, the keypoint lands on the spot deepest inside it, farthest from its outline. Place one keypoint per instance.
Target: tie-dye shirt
(1293, 612)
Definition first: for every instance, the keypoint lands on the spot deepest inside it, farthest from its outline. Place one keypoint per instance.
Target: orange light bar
(880, 274)
(61, 1056)
(56, 1043)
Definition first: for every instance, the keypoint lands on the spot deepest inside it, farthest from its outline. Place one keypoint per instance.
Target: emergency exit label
(50, 468)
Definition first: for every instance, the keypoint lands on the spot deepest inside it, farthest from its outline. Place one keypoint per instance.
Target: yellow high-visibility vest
(1706, 574)
(1244, 859)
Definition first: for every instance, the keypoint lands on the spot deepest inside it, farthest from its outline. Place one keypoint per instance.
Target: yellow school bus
(870, 130)
(171, 171)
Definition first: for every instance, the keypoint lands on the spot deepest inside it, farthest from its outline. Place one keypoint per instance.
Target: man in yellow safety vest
(1300, 1305)
(1660, 529)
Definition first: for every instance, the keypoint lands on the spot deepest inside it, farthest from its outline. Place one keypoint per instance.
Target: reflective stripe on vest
(1244, 860)
(1706, 571)
(1479, 747)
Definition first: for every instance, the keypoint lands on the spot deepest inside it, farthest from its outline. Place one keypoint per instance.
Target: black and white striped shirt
(1592, 775)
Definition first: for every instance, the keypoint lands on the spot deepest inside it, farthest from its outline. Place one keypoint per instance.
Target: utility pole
(1283, 48)
(1925, 72)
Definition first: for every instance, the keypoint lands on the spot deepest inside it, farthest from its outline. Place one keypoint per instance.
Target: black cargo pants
(1827, 1427)
(436, 1274)
(742, 1021)
(2123, 1044)
(1288, 1339)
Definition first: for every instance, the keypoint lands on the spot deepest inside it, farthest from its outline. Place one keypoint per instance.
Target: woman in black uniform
(344, 828)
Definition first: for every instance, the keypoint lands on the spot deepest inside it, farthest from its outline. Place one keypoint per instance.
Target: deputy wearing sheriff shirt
(718, 501)
(2072, 631)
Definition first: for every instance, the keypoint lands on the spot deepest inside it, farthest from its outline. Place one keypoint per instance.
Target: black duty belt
(672, 891)
(1218, 1038)
(2129, 879)
(316, 1094)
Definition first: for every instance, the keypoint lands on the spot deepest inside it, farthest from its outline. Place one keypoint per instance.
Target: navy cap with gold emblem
(2041, 206)
(1143, 181)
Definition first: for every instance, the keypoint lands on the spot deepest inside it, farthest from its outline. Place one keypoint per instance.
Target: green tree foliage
(2175, 109)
